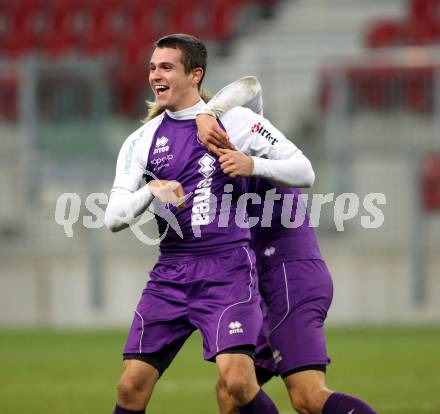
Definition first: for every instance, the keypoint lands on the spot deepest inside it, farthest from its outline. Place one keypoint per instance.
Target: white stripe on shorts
(238, 303)
(287, 300)
(142, 332)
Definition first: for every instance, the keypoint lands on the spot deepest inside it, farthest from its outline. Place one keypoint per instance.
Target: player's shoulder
(146, 131)
(140, 140)
(238, 114)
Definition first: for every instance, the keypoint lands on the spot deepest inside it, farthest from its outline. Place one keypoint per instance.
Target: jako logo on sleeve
(259, 128)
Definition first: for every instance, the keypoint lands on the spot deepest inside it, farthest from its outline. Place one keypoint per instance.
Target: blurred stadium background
(354, 83)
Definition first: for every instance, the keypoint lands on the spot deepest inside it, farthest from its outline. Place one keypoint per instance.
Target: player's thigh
(226, 309)
(160, 323)
(298, 295)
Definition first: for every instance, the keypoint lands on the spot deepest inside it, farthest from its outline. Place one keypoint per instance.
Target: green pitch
(75, 372)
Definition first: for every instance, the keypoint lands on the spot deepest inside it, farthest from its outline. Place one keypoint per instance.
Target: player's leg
(309, 395)
(237, 373)
(226, 403)
(227, 312)
(307, 390)
(160, 327)
(265, 369)
(297, 335)
(135, 386)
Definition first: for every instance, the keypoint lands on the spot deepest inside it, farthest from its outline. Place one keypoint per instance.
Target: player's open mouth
(160, 89)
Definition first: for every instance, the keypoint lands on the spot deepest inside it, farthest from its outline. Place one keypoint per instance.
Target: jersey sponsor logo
(158, 161)
(202, 193)
(235, 327)
(207, 165)
(161, 145)
(258, 128)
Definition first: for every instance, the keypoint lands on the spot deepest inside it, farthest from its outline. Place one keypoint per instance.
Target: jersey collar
(187, 113)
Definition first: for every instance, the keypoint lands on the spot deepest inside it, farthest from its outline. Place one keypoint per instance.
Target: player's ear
(197, 76)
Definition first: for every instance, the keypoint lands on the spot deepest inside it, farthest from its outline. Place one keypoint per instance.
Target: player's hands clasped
(168, 192)
(236, 163)
(212, 135)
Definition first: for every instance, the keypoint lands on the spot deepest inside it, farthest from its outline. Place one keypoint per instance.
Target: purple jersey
(176, 154)
(272, 241)
(167, 148)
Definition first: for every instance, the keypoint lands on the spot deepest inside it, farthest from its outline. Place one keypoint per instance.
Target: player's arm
(265, 151)
(128, 197)
(246, 92)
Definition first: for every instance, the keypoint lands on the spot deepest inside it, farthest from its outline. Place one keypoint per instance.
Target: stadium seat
(8, 99)
(66, 21)
(190, 16)
(424, 9)
(103, 30)
(384, 33)
(19, 28)
(418, 87)
(224, 19)
(430, 185)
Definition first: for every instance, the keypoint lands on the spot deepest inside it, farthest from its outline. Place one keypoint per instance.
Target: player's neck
(189, 112)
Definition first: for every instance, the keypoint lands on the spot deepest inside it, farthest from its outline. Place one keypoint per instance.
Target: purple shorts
(297, 294)
(216, 294)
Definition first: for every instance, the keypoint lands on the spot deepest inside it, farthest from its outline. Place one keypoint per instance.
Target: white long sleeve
(129, 196)
(295, 171)
(124, 206)
(275, 157)
(245, 91)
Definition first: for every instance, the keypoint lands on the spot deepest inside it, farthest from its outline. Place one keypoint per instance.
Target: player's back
(271, 239)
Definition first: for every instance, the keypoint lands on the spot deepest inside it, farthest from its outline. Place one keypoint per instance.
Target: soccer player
(206, 279)
(294, 281)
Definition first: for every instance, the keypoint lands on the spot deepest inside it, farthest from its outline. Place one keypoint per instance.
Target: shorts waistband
(172, 256)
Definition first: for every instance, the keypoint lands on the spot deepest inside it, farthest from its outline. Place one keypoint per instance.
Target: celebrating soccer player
(205, 279)
(294, 281)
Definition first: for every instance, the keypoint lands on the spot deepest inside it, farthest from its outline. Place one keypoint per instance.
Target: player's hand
(168, 192)
(236, 163)
(212, 136)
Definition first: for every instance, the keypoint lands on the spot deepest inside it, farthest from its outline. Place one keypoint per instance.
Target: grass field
(74, 372)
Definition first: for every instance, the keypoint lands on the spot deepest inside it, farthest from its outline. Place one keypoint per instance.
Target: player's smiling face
(173, 88)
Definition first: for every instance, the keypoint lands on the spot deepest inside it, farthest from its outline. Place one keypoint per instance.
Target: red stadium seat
(424, 9)
(430, 182)
(190, 16)
(224, 18)
(384, 33)
(104, 30)
(19, 27)
(8, 99)
(417, 90)
(422, 32)
(66, 21)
